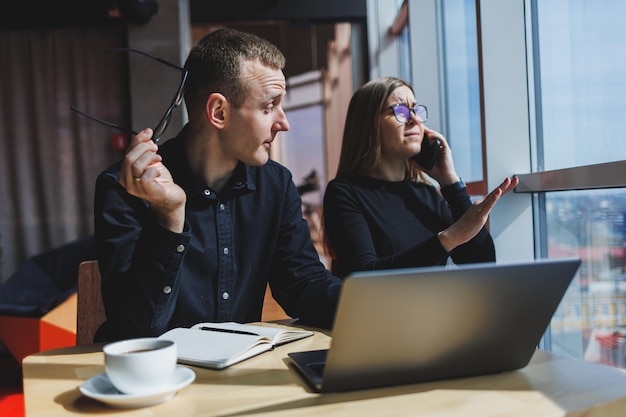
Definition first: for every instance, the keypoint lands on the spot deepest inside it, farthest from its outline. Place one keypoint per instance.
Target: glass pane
(303, 152)
(462, 93)
(591, 320)
(404, 57)
(580, 55)
(582, 61)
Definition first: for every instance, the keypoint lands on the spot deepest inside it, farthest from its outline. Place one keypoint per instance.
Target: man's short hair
(215, 65)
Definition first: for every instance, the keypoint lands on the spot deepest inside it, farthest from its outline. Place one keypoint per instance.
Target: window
(462, 89)
(551, 101)
(588, 224)
(579, 107)
(582, 83)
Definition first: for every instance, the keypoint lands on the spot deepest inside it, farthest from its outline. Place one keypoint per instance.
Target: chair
(90, 308)
(38, 302)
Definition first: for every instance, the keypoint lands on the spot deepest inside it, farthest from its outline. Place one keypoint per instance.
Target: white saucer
(100, 388)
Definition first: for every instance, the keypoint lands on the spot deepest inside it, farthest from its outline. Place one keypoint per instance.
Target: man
(193, 230)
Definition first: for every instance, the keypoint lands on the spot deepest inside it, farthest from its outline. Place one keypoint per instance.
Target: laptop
(413, 325)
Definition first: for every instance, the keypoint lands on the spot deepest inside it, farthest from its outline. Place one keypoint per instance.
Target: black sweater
(374, 224)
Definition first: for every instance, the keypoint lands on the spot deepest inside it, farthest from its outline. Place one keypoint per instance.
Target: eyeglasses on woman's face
(177, 100)
(402, 112)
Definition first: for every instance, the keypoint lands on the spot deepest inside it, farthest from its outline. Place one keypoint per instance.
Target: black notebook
(423, 324)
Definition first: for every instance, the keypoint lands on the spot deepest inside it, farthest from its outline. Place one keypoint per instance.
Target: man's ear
(217, 108)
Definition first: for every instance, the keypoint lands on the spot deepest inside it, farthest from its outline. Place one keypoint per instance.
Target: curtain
(49, 155)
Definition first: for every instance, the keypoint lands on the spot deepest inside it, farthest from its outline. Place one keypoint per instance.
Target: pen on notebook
(217, 329)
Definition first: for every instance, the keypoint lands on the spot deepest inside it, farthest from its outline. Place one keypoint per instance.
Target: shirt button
(222, 207)
(167, 289)
(225, 296)
(207, 192)
(226, 251)
(180, 248)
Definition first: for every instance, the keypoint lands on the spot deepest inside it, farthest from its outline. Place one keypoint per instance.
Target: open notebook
(422, 324)
(220, 345)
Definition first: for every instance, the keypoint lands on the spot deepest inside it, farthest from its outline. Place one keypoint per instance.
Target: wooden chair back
(90, 309)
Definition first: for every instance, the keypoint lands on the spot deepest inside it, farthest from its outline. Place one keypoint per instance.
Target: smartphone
(428, 155)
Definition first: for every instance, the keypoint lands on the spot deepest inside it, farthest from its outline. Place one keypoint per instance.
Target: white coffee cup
(140, 366)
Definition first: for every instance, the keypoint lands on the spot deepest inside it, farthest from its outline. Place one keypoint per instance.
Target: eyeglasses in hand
(165, 120)
(402, 112)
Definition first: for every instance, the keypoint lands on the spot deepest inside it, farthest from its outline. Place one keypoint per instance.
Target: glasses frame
(176, 102)
(415, 111)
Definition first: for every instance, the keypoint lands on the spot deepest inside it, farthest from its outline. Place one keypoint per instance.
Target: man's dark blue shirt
(232, 245)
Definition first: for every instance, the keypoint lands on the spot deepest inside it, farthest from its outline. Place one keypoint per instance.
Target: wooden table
(551, 385)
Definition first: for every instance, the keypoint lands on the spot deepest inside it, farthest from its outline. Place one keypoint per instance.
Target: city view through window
(591, 319)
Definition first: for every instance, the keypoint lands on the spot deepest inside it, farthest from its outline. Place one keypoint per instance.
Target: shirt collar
(175, 159)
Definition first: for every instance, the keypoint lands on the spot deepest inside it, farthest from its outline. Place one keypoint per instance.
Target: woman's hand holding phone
(442, 168)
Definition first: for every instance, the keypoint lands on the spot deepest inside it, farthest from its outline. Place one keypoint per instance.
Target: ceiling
(55, 14)
(51, 14)
(301, 29)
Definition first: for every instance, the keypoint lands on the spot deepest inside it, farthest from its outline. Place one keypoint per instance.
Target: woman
(380, 212)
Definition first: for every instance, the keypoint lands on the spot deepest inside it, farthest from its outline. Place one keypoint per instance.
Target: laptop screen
(420, 324)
